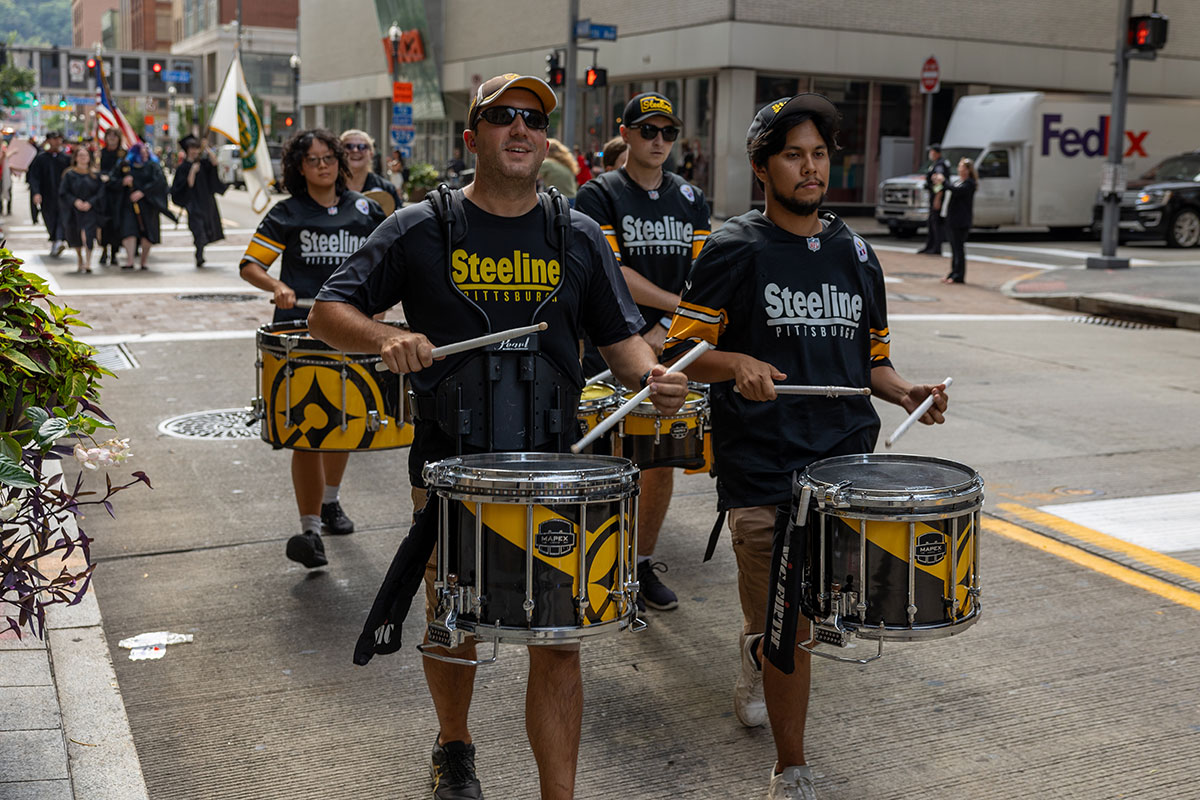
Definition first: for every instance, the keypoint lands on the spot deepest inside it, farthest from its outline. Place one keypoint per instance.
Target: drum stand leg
(443, 630)
(815, 632)
(632, 586)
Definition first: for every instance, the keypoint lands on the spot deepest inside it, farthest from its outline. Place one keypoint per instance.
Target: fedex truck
(1040, 157)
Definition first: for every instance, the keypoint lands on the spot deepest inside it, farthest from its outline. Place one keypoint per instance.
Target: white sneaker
(794, 783)
(748, 702)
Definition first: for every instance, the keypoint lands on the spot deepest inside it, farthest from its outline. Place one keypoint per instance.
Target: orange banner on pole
(402, 92)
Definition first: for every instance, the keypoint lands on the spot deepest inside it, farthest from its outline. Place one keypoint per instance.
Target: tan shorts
(753, 532)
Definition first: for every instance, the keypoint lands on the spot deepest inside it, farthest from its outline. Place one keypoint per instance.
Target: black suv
(1164, 203)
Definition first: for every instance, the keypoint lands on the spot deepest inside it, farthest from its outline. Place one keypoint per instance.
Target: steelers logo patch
(363, 206)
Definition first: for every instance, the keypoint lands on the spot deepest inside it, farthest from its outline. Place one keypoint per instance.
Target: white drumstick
(603, 376)
(914, 416)
(632, 403)
(821, 391)
(301, 302)
(478, 341)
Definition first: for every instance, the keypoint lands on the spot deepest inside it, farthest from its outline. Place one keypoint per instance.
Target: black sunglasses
(506, 115)
(669, 133)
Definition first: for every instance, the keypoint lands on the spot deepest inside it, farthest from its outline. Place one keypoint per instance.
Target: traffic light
(157, 67)
(166, 127)
(596, 76)
(1147, 32)
(555, 75)
(91, 63)
(287, 121)
(62, 103)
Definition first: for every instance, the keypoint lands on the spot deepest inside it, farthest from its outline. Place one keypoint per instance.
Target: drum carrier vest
(508, 396)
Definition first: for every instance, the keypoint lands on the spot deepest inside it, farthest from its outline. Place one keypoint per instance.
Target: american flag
(108, 115)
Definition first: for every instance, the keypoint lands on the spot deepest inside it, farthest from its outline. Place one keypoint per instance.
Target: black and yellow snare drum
(650, 439)
(313, 397)
(595, 403)
(533, 548)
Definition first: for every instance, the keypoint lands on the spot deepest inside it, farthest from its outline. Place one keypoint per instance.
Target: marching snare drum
(595, 403)
(533, 548)
(313, 397)
(890, 546)
(651, 440)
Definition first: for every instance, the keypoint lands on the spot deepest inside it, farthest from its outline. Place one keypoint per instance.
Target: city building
(721, 61)
(88, 21)
(146, 24)
(207, 31)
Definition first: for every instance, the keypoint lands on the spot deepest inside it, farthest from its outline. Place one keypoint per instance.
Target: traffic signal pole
(570, 98)
(1113, 184)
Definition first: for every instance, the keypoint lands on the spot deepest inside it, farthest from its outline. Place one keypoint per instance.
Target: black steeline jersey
(813, 307)
(657, 233)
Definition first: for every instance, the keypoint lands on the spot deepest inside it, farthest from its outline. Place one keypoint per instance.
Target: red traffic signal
(596, 76)
(166, 127)
(157, 67)
(1147, 32)
(91, 63)
(287, 121)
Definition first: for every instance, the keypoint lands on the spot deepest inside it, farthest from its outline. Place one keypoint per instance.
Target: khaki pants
(753, 532)
(419, 496)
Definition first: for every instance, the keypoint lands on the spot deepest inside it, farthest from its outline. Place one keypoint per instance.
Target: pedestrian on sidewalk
(656, 222)
(110, 157)
(558, 170)
(44, 176)
(742, 297)
(958, 213)
(940, 167)
(195, 189)
(313, 230)
(81, 195)
(405, 260)
(140, 188)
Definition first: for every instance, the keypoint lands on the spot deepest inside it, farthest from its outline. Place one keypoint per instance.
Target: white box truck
(1040, 157)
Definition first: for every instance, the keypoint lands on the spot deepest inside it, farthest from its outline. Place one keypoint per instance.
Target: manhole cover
(224, 423)
(114, 357)
(221, 298)
(1071, 491)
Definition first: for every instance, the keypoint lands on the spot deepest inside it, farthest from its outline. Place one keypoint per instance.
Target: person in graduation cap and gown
(195, 189)
(141, 195)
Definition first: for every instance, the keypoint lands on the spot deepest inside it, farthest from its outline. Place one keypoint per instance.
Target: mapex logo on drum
(554, 538)
(679, 430)
(930, 548)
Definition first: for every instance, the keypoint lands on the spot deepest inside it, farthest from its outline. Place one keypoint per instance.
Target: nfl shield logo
(814, 243)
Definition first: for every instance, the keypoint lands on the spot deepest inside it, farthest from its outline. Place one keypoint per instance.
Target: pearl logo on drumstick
(914, 416)
(479, 341)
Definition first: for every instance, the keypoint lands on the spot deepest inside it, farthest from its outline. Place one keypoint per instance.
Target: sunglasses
(319, 161)
(507, 115)
(669, 133)
(356, 146)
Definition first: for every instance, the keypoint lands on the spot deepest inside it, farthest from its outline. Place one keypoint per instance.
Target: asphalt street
(1078, 682)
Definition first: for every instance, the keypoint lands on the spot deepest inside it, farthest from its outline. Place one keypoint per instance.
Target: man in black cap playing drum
(195, 188)
(788, 293)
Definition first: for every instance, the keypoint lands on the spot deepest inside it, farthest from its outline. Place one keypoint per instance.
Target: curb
(1151, 311)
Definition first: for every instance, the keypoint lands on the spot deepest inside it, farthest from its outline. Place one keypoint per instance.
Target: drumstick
(301, 302)
(914, 416)
(478, 341)
(603, 376)
(632, 403)
(823, 391)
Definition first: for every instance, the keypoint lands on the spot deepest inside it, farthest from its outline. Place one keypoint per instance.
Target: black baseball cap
(491, 89)
(54, 135)
(189, 141)
(818, 105)
(646, 105)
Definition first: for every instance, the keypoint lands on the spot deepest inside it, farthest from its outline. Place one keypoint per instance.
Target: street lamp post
(294, 62)
(394, 34)
(171, 123)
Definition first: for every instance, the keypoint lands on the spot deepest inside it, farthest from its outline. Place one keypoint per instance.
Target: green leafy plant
(48, 384)
(421, 175)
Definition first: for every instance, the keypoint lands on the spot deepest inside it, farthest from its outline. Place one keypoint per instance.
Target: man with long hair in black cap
(195, 189)
(788, 293)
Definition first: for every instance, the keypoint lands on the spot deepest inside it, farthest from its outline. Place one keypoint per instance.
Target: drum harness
(509, 396)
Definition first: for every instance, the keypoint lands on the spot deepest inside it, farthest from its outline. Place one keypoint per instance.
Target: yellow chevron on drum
(316, 398)
(555, 542)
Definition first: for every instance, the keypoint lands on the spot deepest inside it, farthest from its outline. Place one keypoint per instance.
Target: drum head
(532, 477)
(892, 481)
(384, 199)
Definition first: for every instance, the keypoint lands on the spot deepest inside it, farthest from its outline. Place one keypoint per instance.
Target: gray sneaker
(749, 705)
(794, 783)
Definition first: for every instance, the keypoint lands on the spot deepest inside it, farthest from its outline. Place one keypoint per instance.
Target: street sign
(81, 100)
(77, 69)
(931, 76)
(607, 33)
(582, 28)
(402, 114)
(402, 92)
(177, 76)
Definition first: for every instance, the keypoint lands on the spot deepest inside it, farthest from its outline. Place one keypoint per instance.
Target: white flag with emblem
(236, 118)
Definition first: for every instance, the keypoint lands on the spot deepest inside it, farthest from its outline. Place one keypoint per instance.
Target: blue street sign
(80, 100)
(177, 76)
(606, 32)
(402, 114)
(582, 28)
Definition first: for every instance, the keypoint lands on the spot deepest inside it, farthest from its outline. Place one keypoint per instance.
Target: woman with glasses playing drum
(360, 155)
(314, 230)
(787, 294)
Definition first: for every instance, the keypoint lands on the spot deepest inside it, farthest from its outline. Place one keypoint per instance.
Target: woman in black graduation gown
(141, 195)
(80, 192)
(109, 157)
(195, 188)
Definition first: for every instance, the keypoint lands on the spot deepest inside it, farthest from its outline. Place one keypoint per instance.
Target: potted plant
(49, 383)
(422, 177)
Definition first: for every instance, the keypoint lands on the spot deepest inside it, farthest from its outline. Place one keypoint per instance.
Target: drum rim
(689, 409)
(964, 494)
(457, 478)
(269, 339)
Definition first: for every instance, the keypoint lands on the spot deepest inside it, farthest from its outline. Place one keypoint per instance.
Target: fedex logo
(1092, 142)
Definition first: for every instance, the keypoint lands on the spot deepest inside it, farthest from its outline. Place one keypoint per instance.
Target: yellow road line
(1150, 558)
(1113, 570)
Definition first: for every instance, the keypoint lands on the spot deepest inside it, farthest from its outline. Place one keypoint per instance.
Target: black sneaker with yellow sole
(452, 772)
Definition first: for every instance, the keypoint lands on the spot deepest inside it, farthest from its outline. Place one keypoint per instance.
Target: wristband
(645, 378)
(665, 322)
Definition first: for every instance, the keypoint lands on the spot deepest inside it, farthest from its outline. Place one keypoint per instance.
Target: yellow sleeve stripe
(683, 329)
(880, 350)
(697, 244)
(701, 312)
(268, 242)
(249, 259)
(260, 254)
(612, 242)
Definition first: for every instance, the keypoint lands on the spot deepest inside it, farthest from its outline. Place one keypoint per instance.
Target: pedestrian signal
(596, 76)
(1147, 32)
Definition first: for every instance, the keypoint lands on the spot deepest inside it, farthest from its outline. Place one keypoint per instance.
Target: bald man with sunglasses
(403, 261)
(655, 222)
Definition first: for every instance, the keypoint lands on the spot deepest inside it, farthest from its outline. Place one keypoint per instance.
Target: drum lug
(836, 495)
(443, 629)
(375, 421)
(831, 630)
(258, 410)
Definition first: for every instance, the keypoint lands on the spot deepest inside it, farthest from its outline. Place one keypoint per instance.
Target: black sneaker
(452, 772)
(307, 549)
(655, 592)
(335, 520)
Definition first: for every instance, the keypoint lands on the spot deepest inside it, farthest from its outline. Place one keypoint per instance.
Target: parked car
(229, 165)
(276, 151)
(1163, 204)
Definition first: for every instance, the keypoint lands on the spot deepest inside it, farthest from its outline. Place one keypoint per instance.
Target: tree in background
(40, 23)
